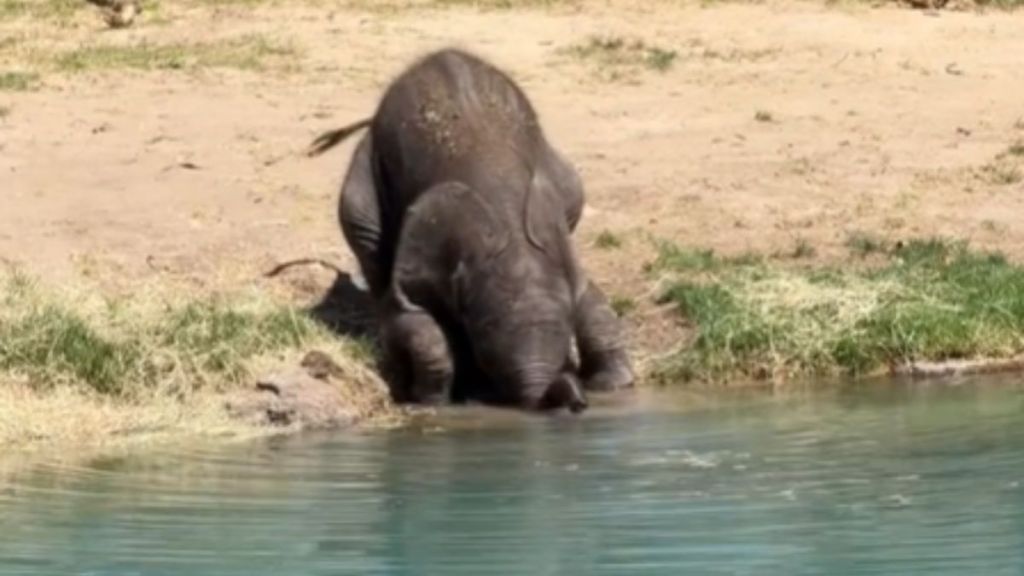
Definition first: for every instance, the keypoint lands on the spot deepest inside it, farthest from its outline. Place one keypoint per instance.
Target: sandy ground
(881, 120)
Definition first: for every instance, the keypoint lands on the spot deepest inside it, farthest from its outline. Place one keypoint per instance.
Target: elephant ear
(556, 174)
(446, 226)
(548, 230)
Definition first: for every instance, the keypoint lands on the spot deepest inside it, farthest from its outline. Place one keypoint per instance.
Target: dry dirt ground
(773, 125)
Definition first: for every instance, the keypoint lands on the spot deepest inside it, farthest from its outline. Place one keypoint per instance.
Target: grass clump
(218, 3)
(623, 305)
(503, 4)
(1006, 168)
(608, 240)
(764, 116)
(51, 343)
(672, 257)
(865, 244)
(616, 57)
(803, 249)
(1002, 174)
(18, 81)
(126, 348)
(931, 300)
(252, 52)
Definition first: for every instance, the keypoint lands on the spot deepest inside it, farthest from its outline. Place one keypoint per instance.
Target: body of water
(865, 480)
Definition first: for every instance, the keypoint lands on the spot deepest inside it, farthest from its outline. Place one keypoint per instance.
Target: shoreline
(193, 428)
(748, 214)
(96, 425)
(251, 364)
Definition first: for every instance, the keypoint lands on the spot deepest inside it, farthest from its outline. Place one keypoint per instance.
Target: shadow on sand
(349, 311)
(346, 309)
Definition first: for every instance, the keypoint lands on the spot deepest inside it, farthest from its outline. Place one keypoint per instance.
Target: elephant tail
(332, 138)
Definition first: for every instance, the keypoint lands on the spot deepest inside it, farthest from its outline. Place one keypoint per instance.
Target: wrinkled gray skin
(460, 214)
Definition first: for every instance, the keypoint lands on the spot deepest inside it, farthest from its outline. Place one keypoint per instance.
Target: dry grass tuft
(251, 52)
(80, 364)
(615, 58)
(932, 300)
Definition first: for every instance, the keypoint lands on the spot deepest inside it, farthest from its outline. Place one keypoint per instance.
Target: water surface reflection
(876, 480)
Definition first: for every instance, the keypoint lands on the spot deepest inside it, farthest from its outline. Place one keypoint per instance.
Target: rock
(294, 397)
(316, 393)
(960, 367)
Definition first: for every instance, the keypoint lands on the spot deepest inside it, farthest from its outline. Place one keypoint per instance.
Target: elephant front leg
(605, 364)
(417, 353)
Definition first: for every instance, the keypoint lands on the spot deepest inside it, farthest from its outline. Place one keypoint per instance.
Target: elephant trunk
(543, 386)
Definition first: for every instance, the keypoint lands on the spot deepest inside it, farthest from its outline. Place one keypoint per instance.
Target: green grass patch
(615, 57)
(623, 305)
(18, 81)
(1016, 149)
(608, 240)
(125, 347)
(764, 116)
(930, 300)
(251, 52)
(674, 258)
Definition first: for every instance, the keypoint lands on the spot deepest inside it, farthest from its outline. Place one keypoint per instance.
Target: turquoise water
(879, 480)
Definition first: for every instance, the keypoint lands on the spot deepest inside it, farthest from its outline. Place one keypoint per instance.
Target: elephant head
(511, 289)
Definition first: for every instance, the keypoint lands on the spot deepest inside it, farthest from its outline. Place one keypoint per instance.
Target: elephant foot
(417, 350)
(431, 399)
(432, 388)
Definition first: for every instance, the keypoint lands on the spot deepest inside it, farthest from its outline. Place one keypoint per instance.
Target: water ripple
(915, 483)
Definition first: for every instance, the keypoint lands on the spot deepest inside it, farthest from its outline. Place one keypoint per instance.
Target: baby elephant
(461, 213)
